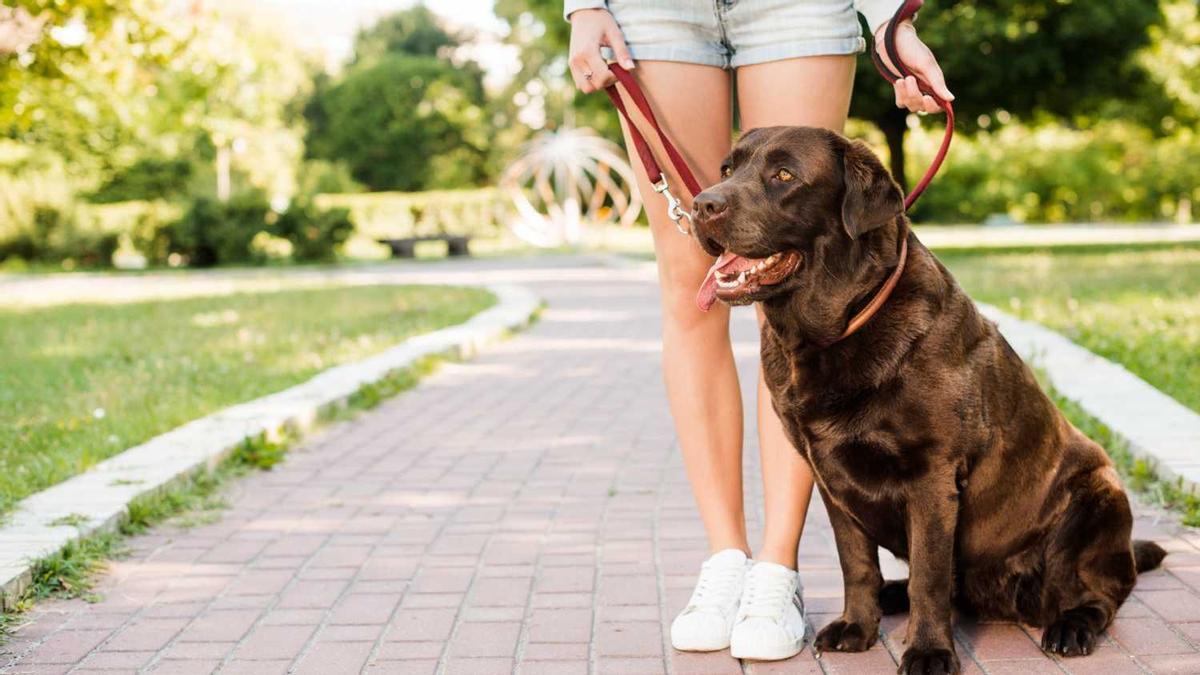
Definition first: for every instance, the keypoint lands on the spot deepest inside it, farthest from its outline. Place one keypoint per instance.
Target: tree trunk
(894, 125)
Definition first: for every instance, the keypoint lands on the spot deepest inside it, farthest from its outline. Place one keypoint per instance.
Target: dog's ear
(871, 198)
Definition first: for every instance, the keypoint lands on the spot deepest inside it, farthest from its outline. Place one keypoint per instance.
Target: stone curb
(1157, 428)
(97, 500)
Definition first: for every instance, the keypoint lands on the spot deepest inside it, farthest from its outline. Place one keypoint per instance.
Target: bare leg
(692, 104)
(813, 91)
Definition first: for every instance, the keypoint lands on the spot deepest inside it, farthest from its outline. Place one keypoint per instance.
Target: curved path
(522, 512)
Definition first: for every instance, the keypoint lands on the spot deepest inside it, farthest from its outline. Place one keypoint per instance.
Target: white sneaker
(704, 625)
(770, 623)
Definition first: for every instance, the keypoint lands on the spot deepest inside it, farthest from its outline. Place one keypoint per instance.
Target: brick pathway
(524, 512)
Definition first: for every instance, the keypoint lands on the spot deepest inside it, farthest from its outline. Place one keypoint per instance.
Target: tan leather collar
(881, 296)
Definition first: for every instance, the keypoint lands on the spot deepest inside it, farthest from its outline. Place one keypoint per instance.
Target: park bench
(406, 247)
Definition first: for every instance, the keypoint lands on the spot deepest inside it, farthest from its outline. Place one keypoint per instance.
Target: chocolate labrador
(926, 432)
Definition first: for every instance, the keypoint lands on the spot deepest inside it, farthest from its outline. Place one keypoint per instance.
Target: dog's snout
(709, 204)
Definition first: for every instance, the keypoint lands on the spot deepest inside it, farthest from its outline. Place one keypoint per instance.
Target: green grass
(1139, 308)
(79, 383)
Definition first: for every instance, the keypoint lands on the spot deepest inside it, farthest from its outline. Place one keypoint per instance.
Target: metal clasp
(674, 207)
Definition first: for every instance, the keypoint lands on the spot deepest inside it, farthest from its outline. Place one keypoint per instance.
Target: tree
(405, 123)
(1023, 57)
(415, 31)
(405, 115)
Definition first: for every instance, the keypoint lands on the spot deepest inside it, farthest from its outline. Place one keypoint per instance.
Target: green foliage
(212, 232)
(149, 178)
(70, 572)
(1111, 172)
(317, 176)
(314, 233)
(403, 123)
(142, 226)
(415, 31)
(55, 235)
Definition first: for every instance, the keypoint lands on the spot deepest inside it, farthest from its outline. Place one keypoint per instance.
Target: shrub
(1112, 172)
(54, 235)
(314, 234)
(147, 179)
(212, 232)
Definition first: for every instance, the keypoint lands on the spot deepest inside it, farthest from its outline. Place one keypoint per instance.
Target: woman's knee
(682, 314)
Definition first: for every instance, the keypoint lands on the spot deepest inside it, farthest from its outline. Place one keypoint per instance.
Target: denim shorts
(734, 33)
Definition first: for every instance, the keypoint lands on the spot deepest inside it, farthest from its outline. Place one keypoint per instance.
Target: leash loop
(907, 11)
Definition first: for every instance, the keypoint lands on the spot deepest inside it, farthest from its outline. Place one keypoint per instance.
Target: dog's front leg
(858, 627)
(932, 518)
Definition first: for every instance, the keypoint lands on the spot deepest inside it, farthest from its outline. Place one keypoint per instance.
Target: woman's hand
(921, 62)
(592, 29)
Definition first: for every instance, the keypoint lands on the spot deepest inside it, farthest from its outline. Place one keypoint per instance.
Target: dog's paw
(918, 661)
(844, 636)
(1069, 636)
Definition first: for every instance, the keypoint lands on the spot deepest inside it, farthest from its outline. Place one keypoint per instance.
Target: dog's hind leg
(1089, 565)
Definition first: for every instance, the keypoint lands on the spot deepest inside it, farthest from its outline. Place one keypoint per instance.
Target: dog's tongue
(729, 263)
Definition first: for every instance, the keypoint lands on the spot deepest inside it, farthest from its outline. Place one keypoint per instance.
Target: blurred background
(203, 132)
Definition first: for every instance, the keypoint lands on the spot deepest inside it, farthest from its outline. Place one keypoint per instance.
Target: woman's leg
(693, 105)
(812, 91)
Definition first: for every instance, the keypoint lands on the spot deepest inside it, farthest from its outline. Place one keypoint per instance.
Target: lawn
(79, 383)
(1140, 308)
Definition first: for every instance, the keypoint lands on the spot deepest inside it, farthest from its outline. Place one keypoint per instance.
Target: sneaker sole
(699, 646)
(784, 652)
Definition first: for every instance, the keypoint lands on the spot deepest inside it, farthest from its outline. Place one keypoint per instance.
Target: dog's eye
(726, 171)
(785, 175)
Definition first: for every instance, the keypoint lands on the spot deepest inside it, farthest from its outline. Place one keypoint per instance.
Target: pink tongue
(728, 262)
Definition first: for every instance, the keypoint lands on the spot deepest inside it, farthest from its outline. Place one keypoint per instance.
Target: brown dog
(927, 434)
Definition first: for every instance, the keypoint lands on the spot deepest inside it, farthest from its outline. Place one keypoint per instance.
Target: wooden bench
(406, 247)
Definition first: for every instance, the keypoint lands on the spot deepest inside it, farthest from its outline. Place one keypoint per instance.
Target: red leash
(907, 10)
(659, 179)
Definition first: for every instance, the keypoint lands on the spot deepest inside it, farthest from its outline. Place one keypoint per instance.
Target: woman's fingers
(601, 76)
(928, 69)
(617, 42)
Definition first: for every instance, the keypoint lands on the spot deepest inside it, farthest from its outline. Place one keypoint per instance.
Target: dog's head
(791, 201)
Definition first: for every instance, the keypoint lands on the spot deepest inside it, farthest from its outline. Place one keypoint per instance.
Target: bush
(141, 225)
(239, 231)
(54, 235)
(148, 179)
(212, 232)
(314, 234)
(1112, 172)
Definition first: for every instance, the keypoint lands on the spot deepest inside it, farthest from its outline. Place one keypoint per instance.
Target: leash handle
(906, 11)
(653, 170)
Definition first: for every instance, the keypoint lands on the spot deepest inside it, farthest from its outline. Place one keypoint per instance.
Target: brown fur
(926, 432)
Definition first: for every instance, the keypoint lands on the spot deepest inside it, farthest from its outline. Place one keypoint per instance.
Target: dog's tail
(893, 597)
(1147, 555)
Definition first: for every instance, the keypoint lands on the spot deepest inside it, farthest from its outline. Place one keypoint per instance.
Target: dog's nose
(709, 205)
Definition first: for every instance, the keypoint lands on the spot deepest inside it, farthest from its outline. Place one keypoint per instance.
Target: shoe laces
(766, 596)
(716, 587)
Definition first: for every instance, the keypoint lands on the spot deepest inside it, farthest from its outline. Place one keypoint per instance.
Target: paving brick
(485, 639)
(220, 626)
(335, 658)
(274, 642)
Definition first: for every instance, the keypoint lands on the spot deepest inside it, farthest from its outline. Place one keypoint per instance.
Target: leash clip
(674, 207)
